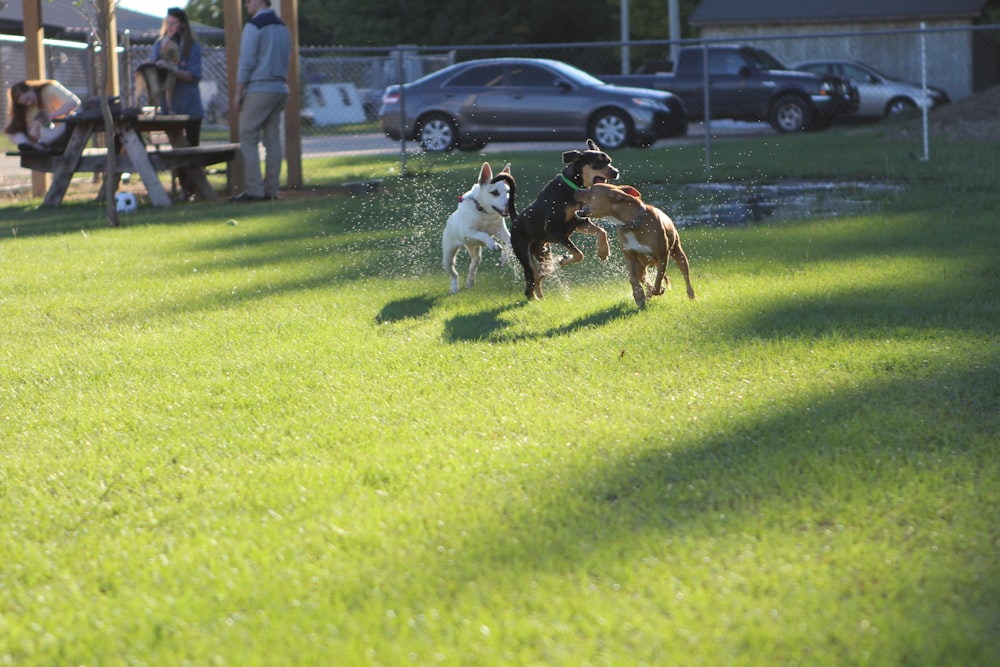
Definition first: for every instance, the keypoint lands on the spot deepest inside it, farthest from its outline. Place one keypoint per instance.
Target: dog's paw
(603, 248)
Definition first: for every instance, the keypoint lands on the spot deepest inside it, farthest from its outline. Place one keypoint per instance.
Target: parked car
(470, 104)
(878, 94)
(749, 84)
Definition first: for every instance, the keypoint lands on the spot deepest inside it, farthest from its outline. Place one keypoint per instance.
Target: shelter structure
(61, 19)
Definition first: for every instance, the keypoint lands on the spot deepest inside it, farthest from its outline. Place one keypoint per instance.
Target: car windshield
(763, 59)
(573, 74)
(881, 74)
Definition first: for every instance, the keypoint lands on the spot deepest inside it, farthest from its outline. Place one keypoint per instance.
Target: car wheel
(610, 129)
(790, 114)
(900, 105)
(436, 133)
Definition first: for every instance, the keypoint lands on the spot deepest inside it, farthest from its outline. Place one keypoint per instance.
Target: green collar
(570, 183)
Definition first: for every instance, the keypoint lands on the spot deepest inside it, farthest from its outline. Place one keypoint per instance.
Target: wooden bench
(162, 158)
(158, 159)
(135, 156)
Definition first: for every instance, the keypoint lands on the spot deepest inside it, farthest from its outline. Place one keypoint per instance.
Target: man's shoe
(245, 197)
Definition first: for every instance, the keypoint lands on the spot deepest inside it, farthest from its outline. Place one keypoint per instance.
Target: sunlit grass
(268, 435)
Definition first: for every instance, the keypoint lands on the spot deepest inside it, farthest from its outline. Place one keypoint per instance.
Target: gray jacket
(265, 53)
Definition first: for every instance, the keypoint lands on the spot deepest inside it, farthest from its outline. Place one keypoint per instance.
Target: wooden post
(233, 24)
(34, 54)
(112, 88)
(293, 112)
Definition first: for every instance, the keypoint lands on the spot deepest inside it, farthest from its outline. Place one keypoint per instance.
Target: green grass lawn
(267, 435)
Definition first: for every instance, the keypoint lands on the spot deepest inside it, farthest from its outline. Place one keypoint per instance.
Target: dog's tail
(512, 202)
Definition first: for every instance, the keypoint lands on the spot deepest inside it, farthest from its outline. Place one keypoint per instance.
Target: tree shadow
(794, 473)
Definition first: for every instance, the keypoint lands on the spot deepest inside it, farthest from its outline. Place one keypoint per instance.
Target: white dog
(479, 221)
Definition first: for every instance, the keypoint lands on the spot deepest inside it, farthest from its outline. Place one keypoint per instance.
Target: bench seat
(162, 158)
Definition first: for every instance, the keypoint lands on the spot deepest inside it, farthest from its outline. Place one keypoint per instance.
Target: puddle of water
(719, 204)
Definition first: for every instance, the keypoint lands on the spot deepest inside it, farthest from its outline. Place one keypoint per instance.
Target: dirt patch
(973, 118)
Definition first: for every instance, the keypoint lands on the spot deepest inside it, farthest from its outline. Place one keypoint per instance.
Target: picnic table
(135, 154)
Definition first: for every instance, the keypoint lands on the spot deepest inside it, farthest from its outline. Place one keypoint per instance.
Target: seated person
(32, 106)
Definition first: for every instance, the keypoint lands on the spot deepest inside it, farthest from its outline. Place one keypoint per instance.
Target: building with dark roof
(784, 12)
(883, 33)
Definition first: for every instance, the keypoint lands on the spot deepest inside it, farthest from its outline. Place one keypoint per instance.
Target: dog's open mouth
(502, 211)
(583, 211)
(600, 179)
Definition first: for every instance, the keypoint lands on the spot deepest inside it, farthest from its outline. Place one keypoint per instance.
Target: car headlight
(648, 103)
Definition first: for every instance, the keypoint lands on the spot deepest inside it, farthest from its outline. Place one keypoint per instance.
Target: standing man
(261, 94)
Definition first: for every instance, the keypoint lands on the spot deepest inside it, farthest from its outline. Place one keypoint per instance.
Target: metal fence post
(924, 111)
(708, 110)
(401, 76)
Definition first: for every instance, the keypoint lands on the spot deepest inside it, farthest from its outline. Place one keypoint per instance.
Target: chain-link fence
(342, 87)
(960, 61)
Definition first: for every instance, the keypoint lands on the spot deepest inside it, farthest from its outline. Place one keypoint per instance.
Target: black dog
(551, 218)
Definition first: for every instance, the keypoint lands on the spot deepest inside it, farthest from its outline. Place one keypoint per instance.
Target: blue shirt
(187, 95)
(265, 54)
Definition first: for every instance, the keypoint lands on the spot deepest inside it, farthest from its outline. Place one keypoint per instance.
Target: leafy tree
(381, 23)
(208, 12)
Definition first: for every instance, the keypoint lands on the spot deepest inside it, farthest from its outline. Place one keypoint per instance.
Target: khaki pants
(260, 117)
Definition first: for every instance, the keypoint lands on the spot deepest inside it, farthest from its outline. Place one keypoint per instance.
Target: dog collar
(636, 221)
(570, 183)
(473, 200)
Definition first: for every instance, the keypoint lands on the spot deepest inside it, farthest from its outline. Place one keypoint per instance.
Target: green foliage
(208, 12)
(384, 23)
(267, 435)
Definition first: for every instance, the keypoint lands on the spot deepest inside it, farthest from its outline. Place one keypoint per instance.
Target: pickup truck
(749, 84)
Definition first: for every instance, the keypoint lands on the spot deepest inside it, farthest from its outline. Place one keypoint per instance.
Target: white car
(878, 94)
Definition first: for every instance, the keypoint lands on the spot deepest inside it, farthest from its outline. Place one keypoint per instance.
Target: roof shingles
(714, 12)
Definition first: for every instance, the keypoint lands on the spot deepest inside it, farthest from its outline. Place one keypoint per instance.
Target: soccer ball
(125, 202)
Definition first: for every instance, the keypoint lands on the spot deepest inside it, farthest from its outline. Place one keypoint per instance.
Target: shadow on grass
(490, 325)
(842, 470)
(413, 307)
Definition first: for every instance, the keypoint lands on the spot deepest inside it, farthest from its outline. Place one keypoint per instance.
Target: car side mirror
(563, 85)
(745, 72)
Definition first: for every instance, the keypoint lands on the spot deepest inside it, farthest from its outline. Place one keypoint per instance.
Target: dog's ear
(571, 156)
(629, 190)
(591, 145)
(506, 169)
(485, 173)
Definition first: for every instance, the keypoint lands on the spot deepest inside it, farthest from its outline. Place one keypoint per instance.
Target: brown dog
(157, 83)
(551, 218)
(647, 234)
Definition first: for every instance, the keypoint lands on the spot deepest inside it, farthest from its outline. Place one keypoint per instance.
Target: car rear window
(529, 75)
(485, 76)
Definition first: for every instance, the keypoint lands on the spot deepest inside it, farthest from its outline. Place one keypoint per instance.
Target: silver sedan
(467, 105)
(878, 94)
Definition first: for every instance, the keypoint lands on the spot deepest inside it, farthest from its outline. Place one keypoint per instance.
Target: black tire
(471, 146)
(899, 106)
(611, 129)
(790, 114)
(437, 133)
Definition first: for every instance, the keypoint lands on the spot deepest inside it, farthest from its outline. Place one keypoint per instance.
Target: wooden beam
(109, 6)
(34, 54)
(232, 14)
(293, 111)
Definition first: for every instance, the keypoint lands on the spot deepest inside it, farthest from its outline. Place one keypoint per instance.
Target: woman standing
(32, 108)
(187, 94)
